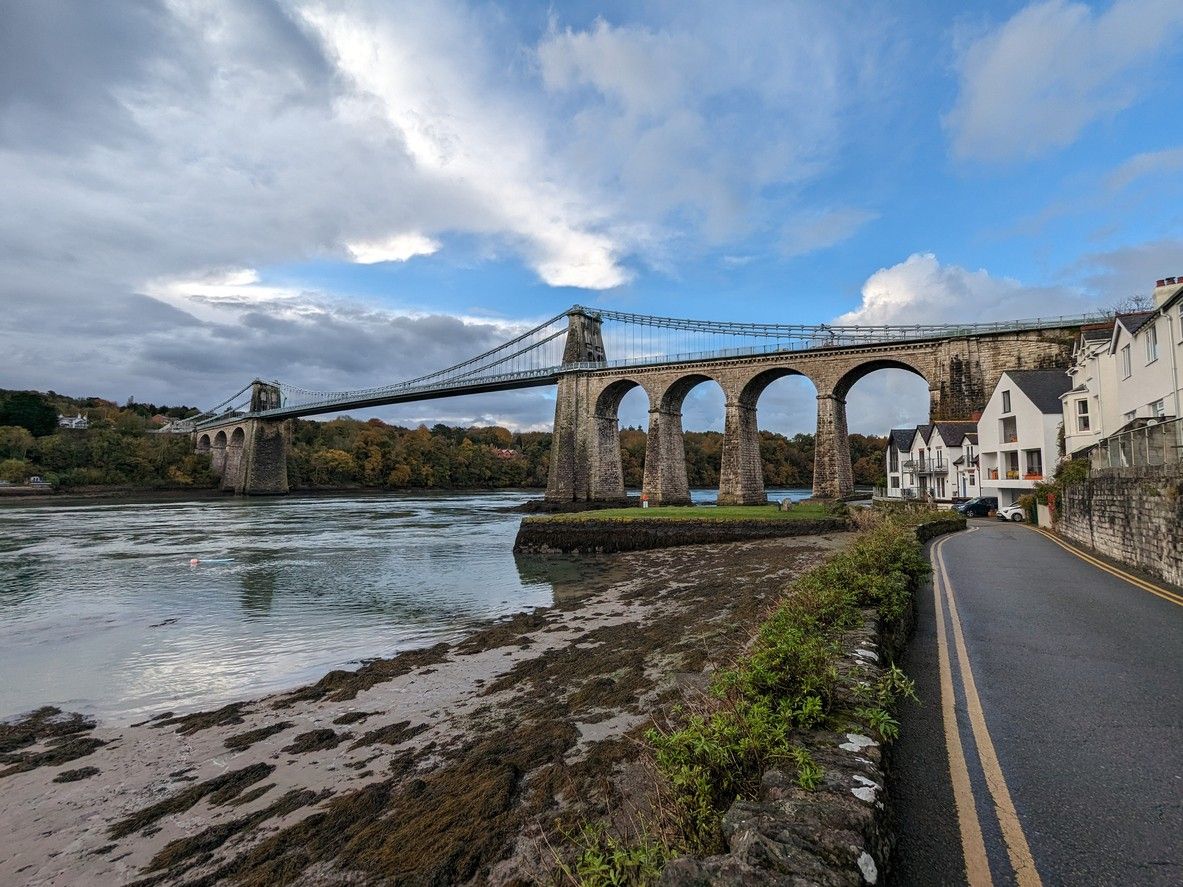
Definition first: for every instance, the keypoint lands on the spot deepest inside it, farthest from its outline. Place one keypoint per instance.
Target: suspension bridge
(595, 357)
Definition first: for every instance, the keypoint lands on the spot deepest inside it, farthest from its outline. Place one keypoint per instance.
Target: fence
(1157, 444)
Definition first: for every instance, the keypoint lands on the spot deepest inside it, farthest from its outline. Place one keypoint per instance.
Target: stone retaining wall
(1134, 515)
(591, 536)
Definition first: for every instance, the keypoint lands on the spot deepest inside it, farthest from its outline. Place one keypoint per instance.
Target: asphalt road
(1076, 683)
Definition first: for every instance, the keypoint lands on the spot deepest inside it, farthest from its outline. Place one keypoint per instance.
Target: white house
(922, 462)
(1018, 434)
(1130, 378)
(78, 423)
(965, 467)
(899, 444)
(1087, 417)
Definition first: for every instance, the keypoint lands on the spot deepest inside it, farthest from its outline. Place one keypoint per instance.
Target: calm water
(101, 611)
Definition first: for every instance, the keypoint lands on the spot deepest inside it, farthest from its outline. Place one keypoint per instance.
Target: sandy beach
(457, 763)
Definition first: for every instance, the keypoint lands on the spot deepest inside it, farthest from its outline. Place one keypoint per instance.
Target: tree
(14, 441)
(31, 411)
(15, 470)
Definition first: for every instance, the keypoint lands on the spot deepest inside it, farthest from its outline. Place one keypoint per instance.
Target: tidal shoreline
(468, 753)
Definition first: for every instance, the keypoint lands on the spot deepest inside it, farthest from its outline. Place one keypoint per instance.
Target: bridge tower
(579, 435)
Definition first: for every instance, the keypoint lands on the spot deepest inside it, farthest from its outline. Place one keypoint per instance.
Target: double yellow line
(1136, 581)
(977, 867)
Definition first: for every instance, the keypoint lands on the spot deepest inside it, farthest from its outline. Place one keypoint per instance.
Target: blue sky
(339, 194)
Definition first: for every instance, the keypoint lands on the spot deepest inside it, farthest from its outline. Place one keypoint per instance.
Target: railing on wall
(1157, 444)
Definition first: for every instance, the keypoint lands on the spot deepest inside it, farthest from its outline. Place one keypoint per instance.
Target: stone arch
(203, 443)
(833, 476)
(859, 371)
(231, 474)
(741, 471)
(606, 480)
(218, 453)
(666, 481)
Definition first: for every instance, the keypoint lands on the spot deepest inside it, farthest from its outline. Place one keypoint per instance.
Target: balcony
(1033, 475)
(932, 466)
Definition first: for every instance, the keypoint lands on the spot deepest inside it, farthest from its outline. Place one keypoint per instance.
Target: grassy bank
(715, 750)
(803, 511)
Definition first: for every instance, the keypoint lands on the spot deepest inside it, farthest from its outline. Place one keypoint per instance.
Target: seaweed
(341, 686)
(316, 740)
(187, 725)
(76, 775)
(241, 741)
(220, 789)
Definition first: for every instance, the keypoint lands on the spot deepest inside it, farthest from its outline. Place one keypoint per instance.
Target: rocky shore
(476, 761)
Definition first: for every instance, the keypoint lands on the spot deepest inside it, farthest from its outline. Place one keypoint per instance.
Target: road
(1047, 747)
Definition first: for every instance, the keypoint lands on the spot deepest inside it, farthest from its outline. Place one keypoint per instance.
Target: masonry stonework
(585, 458)
(1134, 515)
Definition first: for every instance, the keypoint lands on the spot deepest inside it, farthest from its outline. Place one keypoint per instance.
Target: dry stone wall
(1134, 515)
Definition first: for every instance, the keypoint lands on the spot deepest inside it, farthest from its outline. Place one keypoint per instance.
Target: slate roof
(952, 432)
(1136, 320)
(1098, 334)
(901, 438)
(1042, 387)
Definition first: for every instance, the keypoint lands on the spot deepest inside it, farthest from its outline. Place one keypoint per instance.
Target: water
(101, 611)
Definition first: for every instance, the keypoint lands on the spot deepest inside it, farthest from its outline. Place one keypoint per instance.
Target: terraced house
(929, 462)
(1123, 405)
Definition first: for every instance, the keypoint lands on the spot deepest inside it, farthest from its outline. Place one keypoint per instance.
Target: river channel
(102, 611)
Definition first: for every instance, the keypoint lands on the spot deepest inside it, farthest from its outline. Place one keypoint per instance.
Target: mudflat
(470, 762)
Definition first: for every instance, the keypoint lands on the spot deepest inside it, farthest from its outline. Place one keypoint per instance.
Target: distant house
(1018, 434)
(922, 462)
(965, 467)
(75, 423)
(505, 454)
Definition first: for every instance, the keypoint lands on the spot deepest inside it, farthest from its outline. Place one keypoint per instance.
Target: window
(1151, 344)
(1008, 430)
(1082, 415)
(895, 459)
(895, 483)
(1181, 323)
(1129, 417)
(1006, 401)
(1034, 466)
(1158, 409)
(1125, 362)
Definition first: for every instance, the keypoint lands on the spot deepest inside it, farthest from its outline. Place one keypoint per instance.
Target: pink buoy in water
(193, 562)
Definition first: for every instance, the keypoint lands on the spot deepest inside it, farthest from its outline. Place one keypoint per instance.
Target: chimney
(1165, 288)
(976, 416)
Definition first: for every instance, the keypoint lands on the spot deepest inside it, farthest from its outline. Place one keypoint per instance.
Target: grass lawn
(810, 511)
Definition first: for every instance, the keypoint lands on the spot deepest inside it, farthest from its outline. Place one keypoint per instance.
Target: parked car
(979, 507)
(1012, 513)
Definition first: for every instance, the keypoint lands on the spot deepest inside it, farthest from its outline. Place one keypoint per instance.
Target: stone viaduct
(585, 456)
(248, 454)
(961, 366)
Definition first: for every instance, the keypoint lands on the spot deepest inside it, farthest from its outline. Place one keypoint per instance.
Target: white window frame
(1127, 365)
(1006, 401)
(1158, 409)
(1082, 415)
(1151, 343)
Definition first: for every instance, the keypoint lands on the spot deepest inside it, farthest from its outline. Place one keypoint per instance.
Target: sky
(194, 193)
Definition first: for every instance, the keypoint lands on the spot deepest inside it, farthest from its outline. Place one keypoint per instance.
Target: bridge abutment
(251, 457)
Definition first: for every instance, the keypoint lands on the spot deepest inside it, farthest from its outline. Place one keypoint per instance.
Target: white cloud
(819, 230)
(1150, 163)
(922, 290)
(396, 248)
(1033, 84)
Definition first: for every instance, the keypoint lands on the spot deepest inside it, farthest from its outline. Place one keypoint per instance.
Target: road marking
(1137, 582)
(1017, 848)
(973, 847)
